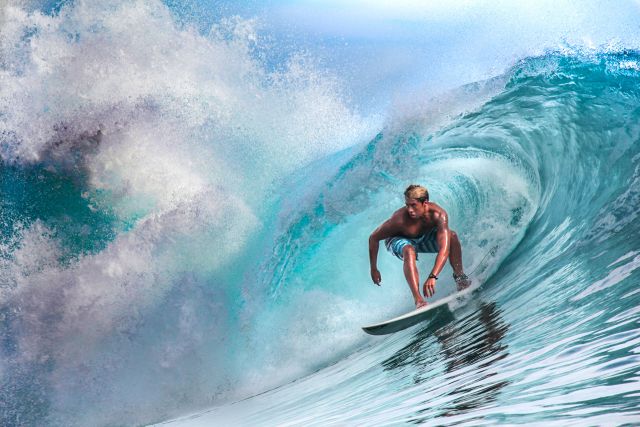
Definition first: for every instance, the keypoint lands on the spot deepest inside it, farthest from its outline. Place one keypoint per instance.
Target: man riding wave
(419, 226)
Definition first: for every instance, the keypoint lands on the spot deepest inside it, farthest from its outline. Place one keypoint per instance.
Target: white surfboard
(416, 316)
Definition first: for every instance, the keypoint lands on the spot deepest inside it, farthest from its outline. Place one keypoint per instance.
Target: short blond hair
(417, 192)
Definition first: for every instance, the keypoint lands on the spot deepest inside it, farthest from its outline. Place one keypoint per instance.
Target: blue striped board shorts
(428, 243)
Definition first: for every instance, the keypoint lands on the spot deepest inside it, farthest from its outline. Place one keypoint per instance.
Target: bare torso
(406, 226)
(414, 220)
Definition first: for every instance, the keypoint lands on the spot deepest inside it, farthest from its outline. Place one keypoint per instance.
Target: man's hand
(375, 276)
(429, 287)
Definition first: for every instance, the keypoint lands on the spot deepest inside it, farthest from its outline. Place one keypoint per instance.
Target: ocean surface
(186, 201)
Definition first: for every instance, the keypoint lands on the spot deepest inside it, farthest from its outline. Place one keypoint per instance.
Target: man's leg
(455, 259)
(455, 253)
(411, 274)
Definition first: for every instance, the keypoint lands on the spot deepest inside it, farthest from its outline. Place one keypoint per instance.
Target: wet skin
(412, 221)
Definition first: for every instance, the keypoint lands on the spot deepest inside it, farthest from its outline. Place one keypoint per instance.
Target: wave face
(168, 244)
(542, 182)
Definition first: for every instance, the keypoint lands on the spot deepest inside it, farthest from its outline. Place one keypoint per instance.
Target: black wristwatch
(433, 276)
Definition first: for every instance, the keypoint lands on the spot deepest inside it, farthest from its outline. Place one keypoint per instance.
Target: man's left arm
(443, 254)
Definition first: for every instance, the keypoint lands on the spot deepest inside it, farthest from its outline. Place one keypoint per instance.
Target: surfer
(419, 226)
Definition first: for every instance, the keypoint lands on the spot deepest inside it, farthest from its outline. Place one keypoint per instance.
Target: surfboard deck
(416, 316)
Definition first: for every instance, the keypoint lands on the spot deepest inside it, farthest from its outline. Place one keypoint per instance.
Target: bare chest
(417, 229)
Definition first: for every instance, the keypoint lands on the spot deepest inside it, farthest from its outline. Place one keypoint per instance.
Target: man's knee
(408, 253)
(453, 236)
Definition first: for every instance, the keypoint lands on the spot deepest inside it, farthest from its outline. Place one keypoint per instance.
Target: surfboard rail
(416, 316)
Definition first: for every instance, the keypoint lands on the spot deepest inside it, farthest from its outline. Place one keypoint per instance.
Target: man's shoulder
(399, 215)
(439, 214)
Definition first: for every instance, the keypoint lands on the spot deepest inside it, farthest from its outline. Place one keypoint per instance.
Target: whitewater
(187, 191)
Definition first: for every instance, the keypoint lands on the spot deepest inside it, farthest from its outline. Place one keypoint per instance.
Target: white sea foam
(179, 135)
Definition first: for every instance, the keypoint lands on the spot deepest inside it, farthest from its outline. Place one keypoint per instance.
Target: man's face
(415, 208)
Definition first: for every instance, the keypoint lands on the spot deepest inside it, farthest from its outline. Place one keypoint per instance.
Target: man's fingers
(376, 277)
(428, 290)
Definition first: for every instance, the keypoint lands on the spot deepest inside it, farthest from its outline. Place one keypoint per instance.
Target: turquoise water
(552, 338)
(184, 221)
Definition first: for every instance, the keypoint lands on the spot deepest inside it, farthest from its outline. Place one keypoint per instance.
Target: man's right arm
(385, 230)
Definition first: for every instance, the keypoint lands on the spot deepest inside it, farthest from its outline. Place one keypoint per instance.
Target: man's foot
(462, 281)
(421, 304)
